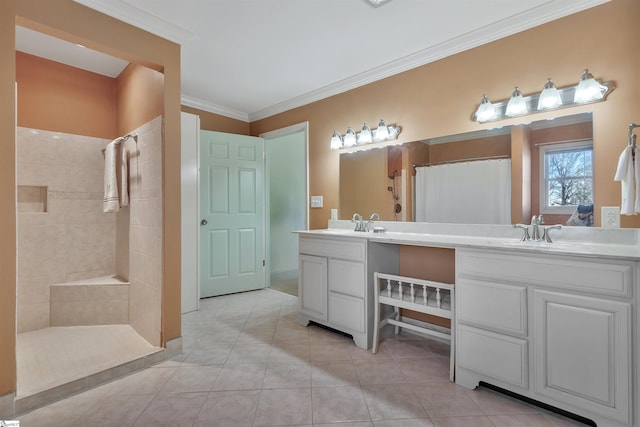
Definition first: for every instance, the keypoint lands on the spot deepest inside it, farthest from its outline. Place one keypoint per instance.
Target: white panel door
(232, 213)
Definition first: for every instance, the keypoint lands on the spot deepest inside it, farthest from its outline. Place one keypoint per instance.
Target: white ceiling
(249, 59)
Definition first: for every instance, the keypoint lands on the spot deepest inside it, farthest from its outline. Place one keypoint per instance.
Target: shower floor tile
(54, 356)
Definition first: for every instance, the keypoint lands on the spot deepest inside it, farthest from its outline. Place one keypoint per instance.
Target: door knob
(204, 222)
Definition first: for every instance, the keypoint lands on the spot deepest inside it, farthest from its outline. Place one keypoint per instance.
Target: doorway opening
(286, 204)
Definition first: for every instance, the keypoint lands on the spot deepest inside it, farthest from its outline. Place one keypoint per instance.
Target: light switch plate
(316, 201)
(610, 216)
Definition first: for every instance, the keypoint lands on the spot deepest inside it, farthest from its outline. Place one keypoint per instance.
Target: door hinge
(264, 262)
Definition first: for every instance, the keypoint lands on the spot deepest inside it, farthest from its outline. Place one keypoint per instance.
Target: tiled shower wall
(63, 235)
(74, 239)
(145, 231)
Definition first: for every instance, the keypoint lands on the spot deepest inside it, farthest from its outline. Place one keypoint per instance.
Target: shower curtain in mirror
(477, 192)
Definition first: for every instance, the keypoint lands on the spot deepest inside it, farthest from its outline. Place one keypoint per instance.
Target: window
(566, 176)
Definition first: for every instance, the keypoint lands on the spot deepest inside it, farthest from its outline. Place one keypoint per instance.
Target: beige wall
(218, 123)
(71, 21)
(439, 98)
(140, 93)
(57, 97)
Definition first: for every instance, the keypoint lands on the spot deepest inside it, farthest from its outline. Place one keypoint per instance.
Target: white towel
(628, 173)
(123, 179)
(111, 202)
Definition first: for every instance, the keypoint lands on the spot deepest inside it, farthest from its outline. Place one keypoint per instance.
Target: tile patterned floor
(247, 362)
(54, 356)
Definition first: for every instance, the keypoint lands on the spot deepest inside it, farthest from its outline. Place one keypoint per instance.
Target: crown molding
(546, 12)
(203, 105)
(542, 14)
(125, 12)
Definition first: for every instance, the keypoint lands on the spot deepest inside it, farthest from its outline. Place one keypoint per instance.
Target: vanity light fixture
(516, 105)
(588, 90)
(549, 97)
(376, 137)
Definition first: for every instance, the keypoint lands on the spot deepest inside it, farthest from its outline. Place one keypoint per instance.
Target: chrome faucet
(360, 225)
(374, 216)
(538, 233)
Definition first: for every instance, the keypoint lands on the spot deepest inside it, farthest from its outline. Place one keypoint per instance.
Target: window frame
(559, 146)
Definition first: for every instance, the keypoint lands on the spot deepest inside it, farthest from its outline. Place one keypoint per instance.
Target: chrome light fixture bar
(587, 91)
(367, 136)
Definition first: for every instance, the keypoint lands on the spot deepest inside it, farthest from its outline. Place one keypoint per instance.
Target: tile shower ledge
(593, 242)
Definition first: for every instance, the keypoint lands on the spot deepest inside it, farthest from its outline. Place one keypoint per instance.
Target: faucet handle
(525, 235)
(357, 218)
(547, 237)
(374, 216)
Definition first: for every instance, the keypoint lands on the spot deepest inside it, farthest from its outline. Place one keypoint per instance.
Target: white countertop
(581, 241)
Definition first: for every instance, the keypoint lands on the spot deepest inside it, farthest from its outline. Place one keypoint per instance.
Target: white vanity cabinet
(557, 329)
(334, 282)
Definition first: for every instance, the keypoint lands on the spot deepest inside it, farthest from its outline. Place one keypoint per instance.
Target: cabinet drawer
(492, 305)
(493, 355)
(593, 275)
(346, 312)
(350, 249)
(347, 277)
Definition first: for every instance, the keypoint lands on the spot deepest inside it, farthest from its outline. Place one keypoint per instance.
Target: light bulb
(486, 111)
(336, 141)
(382, 133)
(588, 89)
(549, 97)
(516, 105)
(349, 139)
(364, 137)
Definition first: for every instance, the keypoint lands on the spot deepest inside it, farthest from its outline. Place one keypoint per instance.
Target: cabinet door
(312, 286)
(582, 353)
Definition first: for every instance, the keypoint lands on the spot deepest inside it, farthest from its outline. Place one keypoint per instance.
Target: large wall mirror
(417, 180)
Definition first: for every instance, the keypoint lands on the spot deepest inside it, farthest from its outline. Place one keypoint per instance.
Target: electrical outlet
(610, 216)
